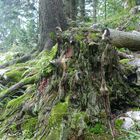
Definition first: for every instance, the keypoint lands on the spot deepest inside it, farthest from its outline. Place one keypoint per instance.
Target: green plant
(97, 129)
(118, 123)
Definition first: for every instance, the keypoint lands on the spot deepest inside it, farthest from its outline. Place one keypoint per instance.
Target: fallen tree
(130, 40)
(21, 59)
(120, 39)
(23, 82)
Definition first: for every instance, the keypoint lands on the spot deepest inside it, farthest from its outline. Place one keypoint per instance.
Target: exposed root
(104, 90)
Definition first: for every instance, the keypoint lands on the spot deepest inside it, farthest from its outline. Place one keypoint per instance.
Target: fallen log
(19, 60)
(130, 40)
(10, 91)
(120, 39)
(22, 59)
(125, 56)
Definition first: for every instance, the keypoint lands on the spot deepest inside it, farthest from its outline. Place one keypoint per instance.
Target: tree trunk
(125, 39)
(105, 9)
(137, 2)
(82, 9)
(51, 15)
(67, 7)
(73, 9)
(94, 11)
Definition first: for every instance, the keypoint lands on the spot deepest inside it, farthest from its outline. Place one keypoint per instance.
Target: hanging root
(104, 90)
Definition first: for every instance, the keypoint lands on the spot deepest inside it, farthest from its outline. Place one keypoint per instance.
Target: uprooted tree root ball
(72, 92)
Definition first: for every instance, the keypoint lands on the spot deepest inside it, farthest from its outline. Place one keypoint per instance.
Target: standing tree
(105, 8)
(95, 11)
(67, 7)
(74, 10)
(137, 2)
(18, 24)
(82, 9)
(51, 15)
(71, 8)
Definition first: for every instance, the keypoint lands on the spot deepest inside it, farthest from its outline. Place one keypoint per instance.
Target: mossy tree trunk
(51, 15)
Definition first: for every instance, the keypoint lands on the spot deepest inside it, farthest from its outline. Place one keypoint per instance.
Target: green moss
(14, 75)
(121, 49)
(3, 92)
(79, 37)
(14, 105)
(118, 123)
(128, 68)
(52, 35)
(102, 114)
(131, 3)
(30, 89)
(97, 129)
(6, 57)
(54, 134)
(30, 80)
(135, 108)
(93, 36)
(18, 101)
(43, 65)
(55, 121)
(25, 81)
(13, 127)
(103, 136)
(117, 19)
(124, 61)
(29, 126)
(77, 120)
(57, 113)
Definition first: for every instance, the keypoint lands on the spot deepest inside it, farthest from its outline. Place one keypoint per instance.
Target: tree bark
(125, 39)
(67, 8)
(95, 11)
(105, 9)
(73, 9)
(82, 9)
(51, 15)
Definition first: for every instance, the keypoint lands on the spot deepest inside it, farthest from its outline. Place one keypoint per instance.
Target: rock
(97, 27)
(135, 115)
(136, 63)
(135, 10)
(128, 123)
